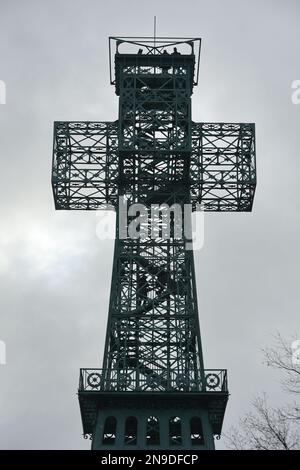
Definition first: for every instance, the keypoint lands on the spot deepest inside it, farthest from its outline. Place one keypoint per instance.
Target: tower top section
(153, 55)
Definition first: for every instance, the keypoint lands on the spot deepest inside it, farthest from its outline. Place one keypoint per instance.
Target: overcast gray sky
(54, 271)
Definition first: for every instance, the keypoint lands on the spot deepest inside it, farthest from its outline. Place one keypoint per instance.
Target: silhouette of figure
(165, 68)
(175, 51)
(142, 288)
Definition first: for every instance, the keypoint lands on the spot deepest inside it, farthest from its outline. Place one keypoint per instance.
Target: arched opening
(175, 433)
(197, 438)
(152, 432)
(109, 431)
(130, 437)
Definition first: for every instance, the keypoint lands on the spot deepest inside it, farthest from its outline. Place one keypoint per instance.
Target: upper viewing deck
(154, 56)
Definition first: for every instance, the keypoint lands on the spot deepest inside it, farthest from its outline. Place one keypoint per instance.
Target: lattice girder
(222, 171)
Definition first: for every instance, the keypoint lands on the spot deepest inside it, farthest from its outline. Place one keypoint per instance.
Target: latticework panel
(223, 173)
(85, 165)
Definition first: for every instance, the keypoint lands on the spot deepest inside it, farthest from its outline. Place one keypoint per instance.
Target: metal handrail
(137, 380)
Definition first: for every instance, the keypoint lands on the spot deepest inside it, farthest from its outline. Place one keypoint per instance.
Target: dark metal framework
(86, 165)
(153, 377)
(153, 46)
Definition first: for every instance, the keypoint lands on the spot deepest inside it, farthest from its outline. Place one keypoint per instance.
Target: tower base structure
(153, 421)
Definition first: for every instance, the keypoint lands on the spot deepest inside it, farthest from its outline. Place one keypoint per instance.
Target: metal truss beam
(86, 165)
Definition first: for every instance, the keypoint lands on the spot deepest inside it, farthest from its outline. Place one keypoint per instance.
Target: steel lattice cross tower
(153, 391)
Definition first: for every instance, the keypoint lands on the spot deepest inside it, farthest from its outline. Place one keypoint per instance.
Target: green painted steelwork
(153, 154)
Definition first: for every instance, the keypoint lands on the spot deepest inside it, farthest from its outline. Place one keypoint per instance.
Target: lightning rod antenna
(154, 33)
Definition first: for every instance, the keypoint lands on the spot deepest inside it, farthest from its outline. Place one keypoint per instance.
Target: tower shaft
(153, 329)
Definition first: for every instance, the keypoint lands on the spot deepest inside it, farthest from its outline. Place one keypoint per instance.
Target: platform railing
(136, 380)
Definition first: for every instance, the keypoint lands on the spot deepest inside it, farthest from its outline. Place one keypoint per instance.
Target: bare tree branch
(267, 428)
(280, 357)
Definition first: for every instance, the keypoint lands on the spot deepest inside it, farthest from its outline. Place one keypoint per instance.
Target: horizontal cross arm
(85, 165)
(223, 168)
